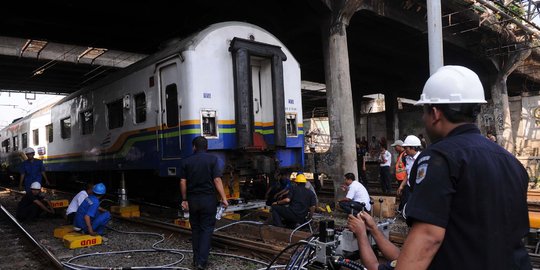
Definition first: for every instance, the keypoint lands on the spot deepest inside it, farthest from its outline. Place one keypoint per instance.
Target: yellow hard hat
(300, 178)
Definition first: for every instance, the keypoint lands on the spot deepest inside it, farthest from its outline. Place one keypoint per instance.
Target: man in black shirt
(32, 204)
(200, 178)
(468, 207)
(294, 208)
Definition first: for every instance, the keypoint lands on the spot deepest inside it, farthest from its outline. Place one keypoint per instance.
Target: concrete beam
(18, 47)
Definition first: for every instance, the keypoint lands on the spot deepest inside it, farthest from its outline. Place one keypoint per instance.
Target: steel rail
(219, 238)
(44, 250)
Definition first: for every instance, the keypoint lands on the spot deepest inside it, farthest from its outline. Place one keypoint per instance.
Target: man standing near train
(32, 170)
(468, 203)
(200, 178)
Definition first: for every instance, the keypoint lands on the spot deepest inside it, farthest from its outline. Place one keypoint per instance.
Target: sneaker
(104, 239)
(77, 229)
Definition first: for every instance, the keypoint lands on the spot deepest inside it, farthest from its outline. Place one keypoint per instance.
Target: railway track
(19, 250)
(271, 239)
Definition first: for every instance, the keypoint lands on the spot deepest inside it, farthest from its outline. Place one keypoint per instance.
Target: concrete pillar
(505, 65)
(341, 158)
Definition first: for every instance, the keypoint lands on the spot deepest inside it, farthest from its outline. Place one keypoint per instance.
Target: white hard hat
(35, 185)
(452, 85)
(29, 150)
(412, 140)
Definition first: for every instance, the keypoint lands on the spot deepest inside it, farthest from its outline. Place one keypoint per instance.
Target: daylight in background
(15, 105)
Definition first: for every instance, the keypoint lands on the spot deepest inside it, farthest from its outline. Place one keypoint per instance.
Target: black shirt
(476, 190)
(301, 200)
(199, 170)
(27, 200)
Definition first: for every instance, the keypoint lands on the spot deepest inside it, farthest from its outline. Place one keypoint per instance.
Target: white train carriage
(34, 130)
(234, 83)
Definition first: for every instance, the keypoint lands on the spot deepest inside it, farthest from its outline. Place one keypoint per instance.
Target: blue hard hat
(99, 189)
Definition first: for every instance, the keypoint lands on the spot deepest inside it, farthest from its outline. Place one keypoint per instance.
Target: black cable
(361, 266)
(283, 251)
(294, 253)
(350, 264)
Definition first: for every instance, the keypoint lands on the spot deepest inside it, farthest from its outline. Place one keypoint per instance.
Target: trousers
(99, 222)
(202, 217)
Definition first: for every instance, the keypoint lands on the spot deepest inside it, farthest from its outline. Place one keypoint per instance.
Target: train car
(33, 130)
(233, 83)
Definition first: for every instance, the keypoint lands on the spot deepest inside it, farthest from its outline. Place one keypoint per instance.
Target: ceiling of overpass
(384, 55)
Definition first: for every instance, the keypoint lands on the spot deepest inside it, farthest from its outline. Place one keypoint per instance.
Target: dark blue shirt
(477, 191)
(301, 200)
(90, 207)
(32, 172)
(199, 170)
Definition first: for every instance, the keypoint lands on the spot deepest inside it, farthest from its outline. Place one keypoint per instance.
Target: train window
(65, 128)
(5, 145)
(115, 113)
(49, 133)
(208, 126)
(140, 108)
(15, 143)
(292, 129)
(87, 122)
(172, 105)
(24, 140)
(35, 136)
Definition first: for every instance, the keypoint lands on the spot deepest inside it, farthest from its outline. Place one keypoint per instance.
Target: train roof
(39, 112)
(175, 47)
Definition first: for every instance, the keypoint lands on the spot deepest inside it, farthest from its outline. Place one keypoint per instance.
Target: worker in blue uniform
(200, 178)
(468, 203)
(31, 170)
(90, 217)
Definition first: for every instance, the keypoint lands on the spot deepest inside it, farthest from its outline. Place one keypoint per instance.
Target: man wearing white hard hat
(468, 203)
(31, 170)
(411, 147)
(32, 204)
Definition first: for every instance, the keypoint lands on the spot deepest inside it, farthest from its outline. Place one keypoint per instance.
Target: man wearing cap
(90, 217)
(293, 209)
(32, 204)
(32, 170)
(468, 203)
(401, 170)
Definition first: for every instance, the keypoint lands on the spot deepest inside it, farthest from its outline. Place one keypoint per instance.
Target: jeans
(99, 222)
(282, 214)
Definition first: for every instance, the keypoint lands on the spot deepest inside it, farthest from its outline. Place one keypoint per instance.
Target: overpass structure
(351, 47)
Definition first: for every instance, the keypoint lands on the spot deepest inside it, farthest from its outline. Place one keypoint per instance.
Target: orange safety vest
(401, 170)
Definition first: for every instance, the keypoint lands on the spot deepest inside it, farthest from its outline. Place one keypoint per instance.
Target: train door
(170, 139)
(259, 93)
(261, 85)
